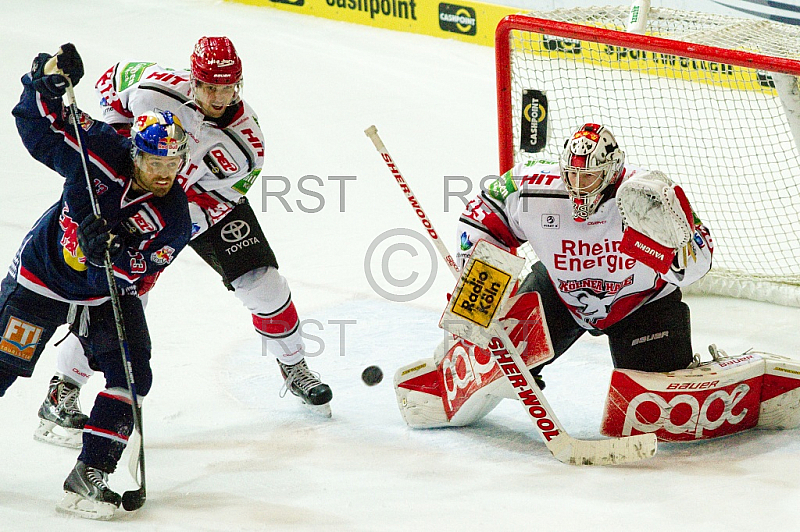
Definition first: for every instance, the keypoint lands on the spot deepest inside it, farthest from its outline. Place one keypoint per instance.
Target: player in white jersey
(227, 154)
(603, 269)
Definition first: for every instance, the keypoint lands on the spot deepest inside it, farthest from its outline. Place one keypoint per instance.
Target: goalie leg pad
(458, 390)
(718, 398)
(780, 393)
(713, 400)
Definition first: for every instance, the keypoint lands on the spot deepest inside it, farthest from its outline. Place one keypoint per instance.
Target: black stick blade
(134, 499)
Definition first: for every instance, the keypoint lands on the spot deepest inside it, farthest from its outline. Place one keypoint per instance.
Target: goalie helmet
(215, 61)
(590, 163)
(158, 133)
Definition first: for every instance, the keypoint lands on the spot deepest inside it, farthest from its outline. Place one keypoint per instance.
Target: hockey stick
(561, 445)
(134, 499)
(372, 133)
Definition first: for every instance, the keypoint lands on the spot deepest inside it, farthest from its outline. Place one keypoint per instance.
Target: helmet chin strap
(136, 184)
(584, 207)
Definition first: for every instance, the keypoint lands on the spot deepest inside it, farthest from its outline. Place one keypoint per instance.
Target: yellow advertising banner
(473, 22)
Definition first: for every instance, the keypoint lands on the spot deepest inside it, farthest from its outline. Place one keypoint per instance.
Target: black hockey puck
(372, 375)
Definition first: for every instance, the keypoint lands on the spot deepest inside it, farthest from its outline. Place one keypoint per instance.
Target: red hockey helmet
(215, 61)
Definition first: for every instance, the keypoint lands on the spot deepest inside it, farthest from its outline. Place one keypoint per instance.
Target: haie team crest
(163, 255)
(592, 297)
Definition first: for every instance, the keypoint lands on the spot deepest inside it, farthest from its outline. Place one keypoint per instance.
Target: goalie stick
(133, 499)
(562, 446)
(372, 133)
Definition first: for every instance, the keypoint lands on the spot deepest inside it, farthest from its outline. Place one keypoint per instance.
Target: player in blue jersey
(58, 276)
(227, 148)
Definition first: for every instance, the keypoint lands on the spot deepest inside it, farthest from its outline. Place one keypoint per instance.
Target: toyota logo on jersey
(235, 231)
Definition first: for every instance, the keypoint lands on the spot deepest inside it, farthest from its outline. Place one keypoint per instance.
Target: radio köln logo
(457, 19)
(235, 231)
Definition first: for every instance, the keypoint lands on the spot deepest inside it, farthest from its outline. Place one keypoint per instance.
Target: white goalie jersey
(227, 154)
(598, 283)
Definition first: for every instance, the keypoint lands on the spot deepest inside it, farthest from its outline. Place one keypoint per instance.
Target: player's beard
(159, 186)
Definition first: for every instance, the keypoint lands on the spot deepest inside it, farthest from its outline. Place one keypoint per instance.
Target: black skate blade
(134, 499)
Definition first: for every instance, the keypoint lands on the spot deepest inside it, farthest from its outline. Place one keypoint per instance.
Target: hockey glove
(657, 217)
(94, 238)
(52, 74)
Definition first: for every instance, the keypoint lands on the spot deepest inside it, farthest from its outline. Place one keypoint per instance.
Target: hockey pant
(656, 337)
(72, 362)
(30, 320)
(238, 251)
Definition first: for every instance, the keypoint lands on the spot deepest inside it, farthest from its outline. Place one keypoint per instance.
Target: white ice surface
(224, 452)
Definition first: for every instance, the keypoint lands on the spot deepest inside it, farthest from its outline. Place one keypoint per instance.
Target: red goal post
(710, 100)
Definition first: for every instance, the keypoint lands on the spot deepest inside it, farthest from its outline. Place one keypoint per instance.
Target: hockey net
(704, 98)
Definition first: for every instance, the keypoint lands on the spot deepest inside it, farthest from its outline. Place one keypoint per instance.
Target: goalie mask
(590, 163)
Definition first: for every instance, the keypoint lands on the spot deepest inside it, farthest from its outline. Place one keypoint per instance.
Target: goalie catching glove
(658, 220)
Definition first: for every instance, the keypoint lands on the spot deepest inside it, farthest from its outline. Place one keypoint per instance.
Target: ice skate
(61, 421)
(86, 494)
(306, 385)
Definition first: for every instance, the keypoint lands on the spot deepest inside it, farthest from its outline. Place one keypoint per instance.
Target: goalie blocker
(462, 382)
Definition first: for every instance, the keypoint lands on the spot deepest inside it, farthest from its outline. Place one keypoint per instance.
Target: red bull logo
(169, 144)
(20, 338)
(163, 255)
(73, 255)
(69, 240)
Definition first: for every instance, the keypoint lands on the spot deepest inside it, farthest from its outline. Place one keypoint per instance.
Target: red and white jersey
(599, 284)
(226, 154)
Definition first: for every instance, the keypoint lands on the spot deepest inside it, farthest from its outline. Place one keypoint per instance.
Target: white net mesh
(720, 131)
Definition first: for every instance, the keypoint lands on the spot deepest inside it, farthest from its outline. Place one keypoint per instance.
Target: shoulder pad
(502, 187)
(130, 74)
